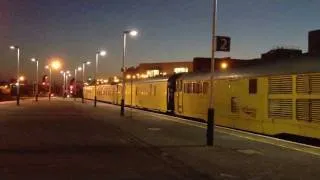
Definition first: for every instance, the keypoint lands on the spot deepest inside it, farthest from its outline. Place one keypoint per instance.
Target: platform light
(103, 53)
(21, 78)
(224, 65)
(133, 33)
(56, 64)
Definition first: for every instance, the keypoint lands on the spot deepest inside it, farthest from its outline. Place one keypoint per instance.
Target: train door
(114, 94)
(180, 97)
(170, 96)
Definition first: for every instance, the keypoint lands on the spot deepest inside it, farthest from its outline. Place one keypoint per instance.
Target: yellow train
(281, 98)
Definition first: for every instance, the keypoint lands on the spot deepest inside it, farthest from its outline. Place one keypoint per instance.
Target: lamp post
(37, 77)
(18, 72)
(50, 70)
(83, 81)
(66, 85)
(131, 33)
(55, 65)
(210, 120)
(99, 53)
(75, 82)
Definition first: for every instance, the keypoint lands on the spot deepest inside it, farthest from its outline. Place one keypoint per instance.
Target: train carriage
(272, 98)
(152, 94)
(280, 98)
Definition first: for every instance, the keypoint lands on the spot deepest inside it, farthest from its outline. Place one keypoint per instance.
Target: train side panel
(271, 105)
(152, 95)
(88, 92)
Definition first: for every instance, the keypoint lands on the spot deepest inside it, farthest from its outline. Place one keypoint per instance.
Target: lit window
(152, 73)
(180, 70)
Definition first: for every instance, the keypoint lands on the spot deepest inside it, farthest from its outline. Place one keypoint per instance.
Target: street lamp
(210, 120)
(37, 77)
(224, 65)
(67, 75)
(131, 33)
(63, 73)
(55, 65)
(83, 81)
(18, 72)
(50, 69)
(99, 53)
(75, 81)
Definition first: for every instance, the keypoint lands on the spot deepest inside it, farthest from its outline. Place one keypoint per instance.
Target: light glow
(102, 53)
(56, 64)
(21, 78)
(224, 65)
(133, 33)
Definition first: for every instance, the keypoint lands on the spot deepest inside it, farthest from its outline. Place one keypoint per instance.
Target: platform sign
(223, 43)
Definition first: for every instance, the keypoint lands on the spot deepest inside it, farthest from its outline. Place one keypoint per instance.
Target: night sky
(170, 30)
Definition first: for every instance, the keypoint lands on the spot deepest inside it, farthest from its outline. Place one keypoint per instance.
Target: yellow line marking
(279, 142)
(246, 135)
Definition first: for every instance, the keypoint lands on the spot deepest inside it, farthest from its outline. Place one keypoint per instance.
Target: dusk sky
(170, 30)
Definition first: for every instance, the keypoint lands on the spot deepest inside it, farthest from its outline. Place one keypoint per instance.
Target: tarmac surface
(63, 139)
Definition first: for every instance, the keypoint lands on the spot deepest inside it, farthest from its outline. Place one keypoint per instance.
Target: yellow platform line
(247, 135)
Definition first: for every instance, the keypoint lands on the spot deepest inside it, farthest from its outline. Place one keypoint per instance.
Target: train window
(196, 88)
(185, 88)
(253, 86)
(177, 86)
(200, 87)
(205, 87)
(189, 87)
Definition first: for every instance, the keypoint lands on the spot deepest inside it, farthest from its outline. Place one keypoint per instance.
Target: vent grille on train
(308, 109)
(280, 84)
(280, 108)
(308, 83)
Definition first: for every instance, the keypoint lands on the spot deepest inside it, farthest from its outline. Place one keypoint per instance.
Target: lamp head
(133, 33)
(102, 53)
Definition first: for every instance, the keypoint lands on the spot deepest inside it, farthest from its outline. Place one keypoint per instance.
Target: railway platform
(66, 139)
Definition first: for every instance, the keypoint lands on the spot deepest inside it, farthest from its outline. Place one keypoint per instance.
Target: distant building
(281, 53)
(145, 70)
(314, 42)
(203, 64)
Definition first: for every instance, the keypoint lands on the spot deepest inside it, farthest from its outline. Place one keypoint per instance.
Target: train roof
(154, 79)
(298, 65)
